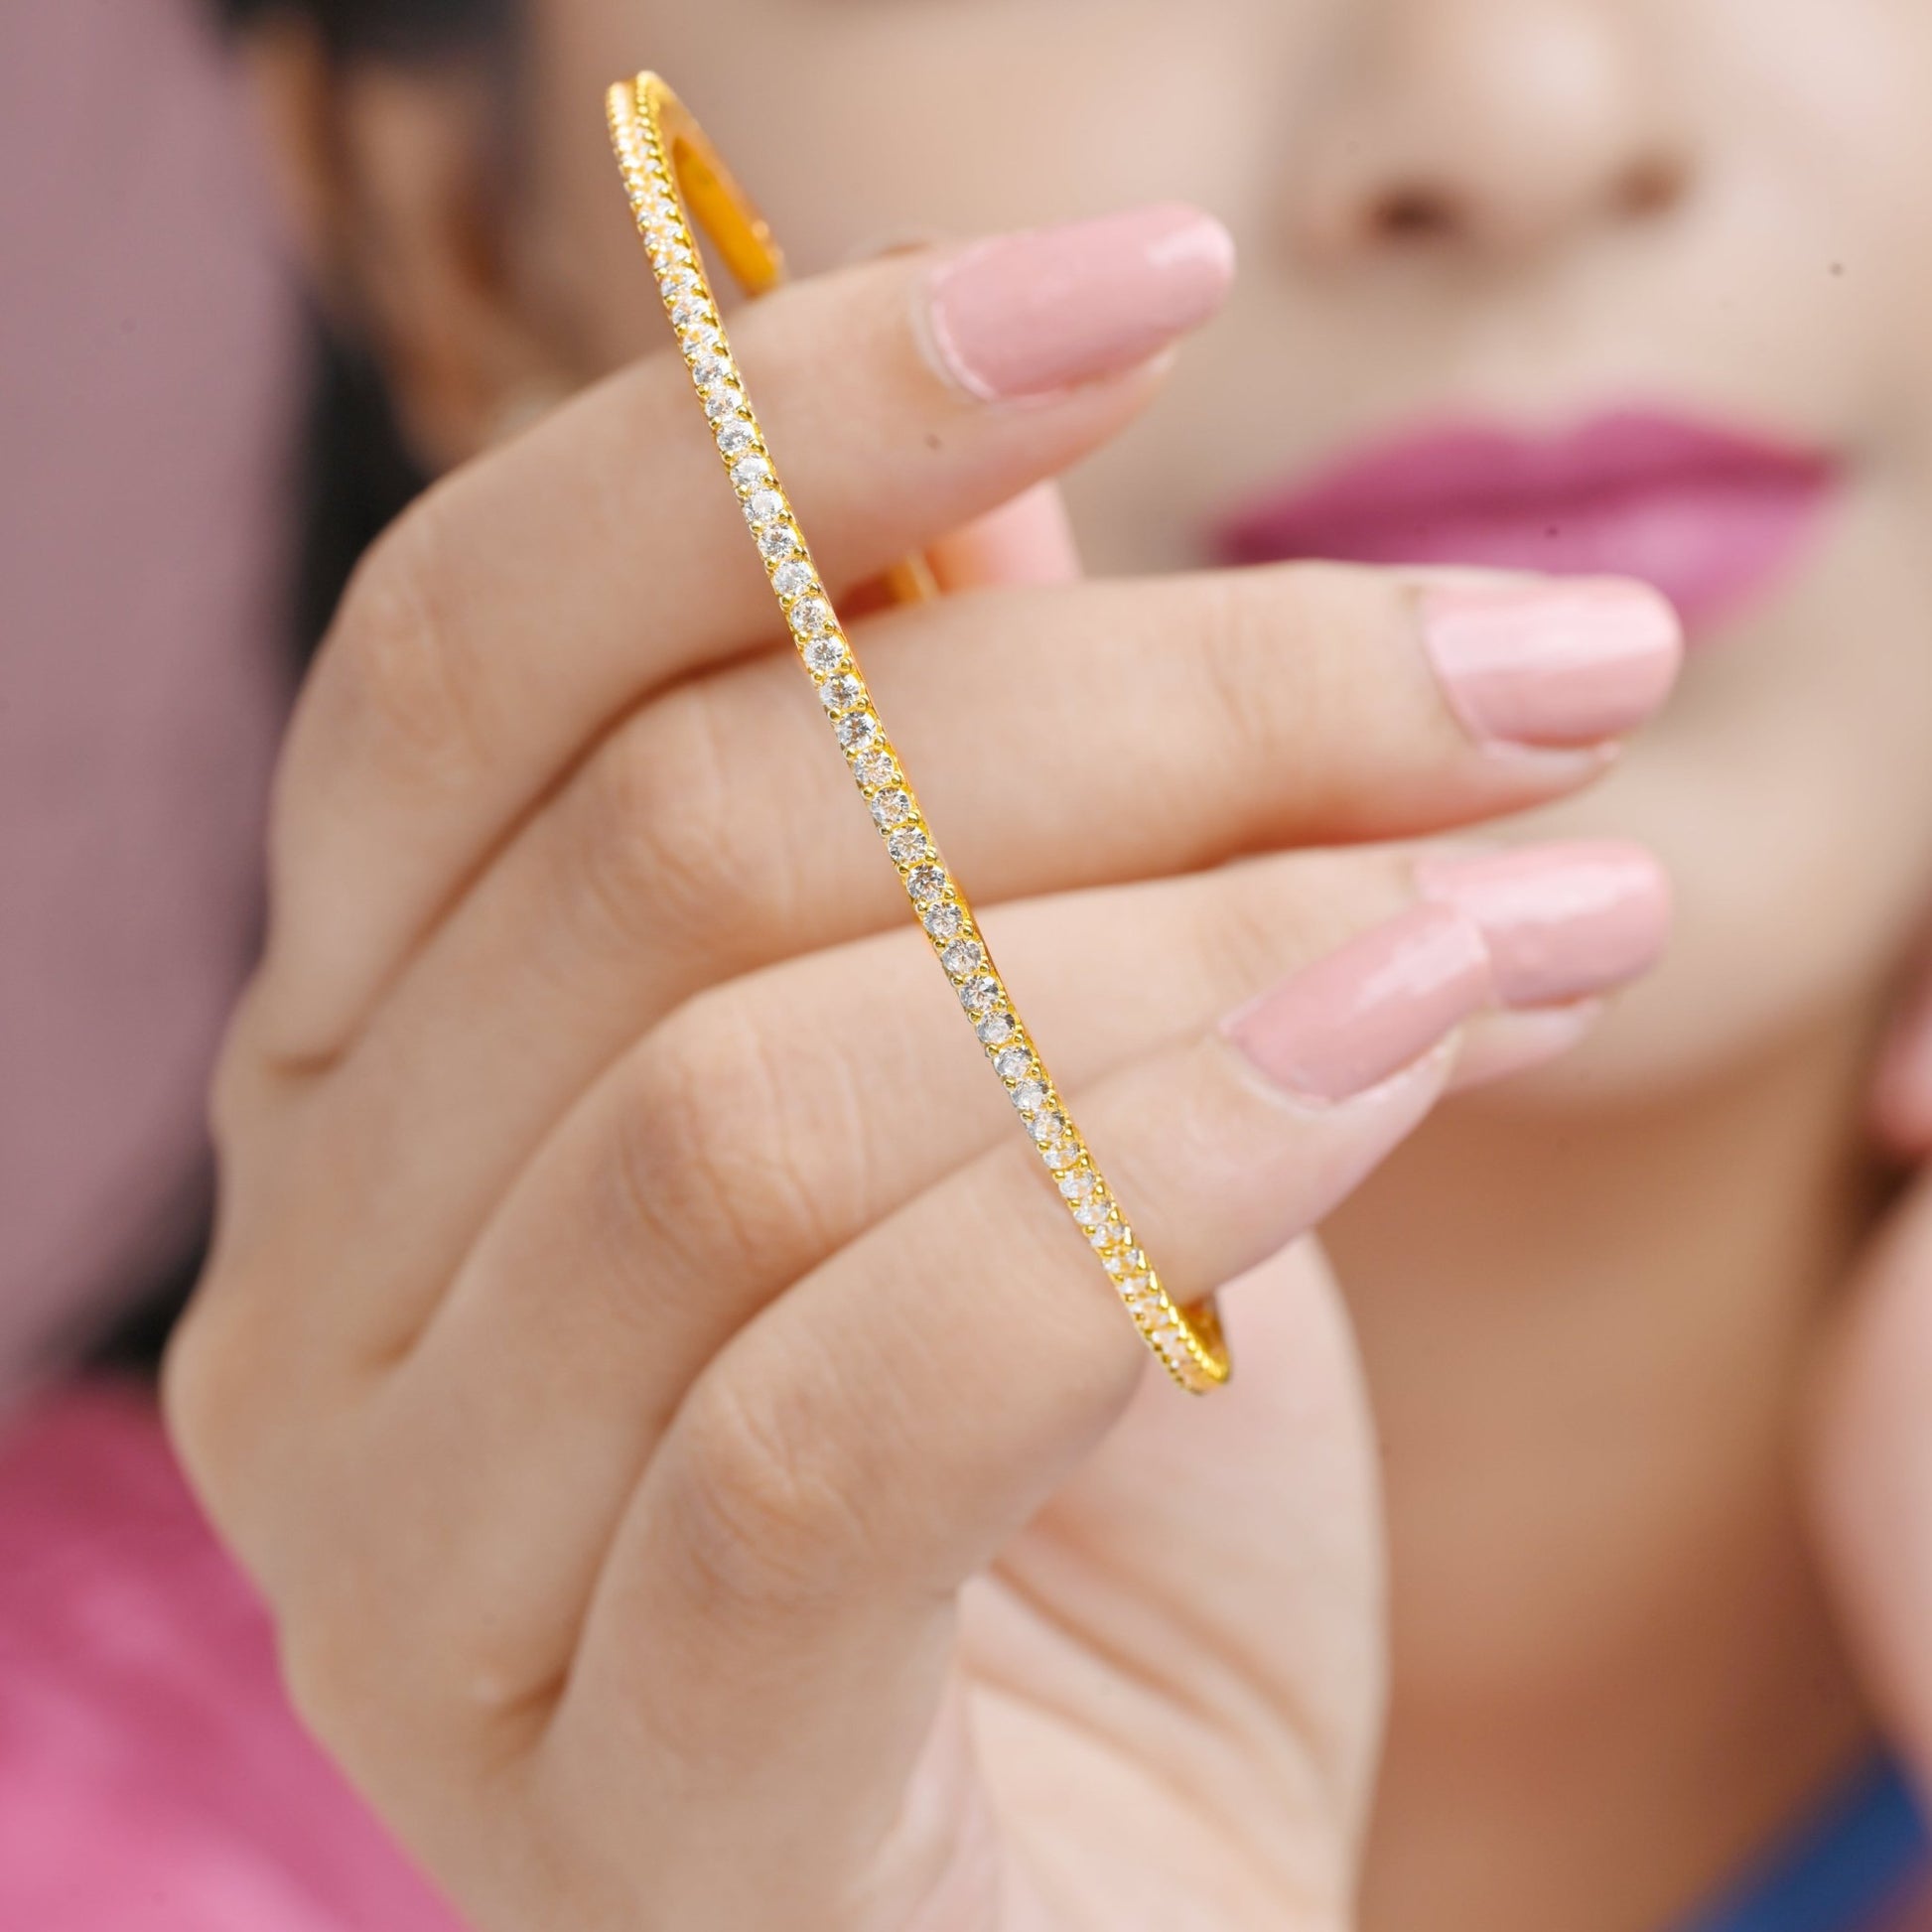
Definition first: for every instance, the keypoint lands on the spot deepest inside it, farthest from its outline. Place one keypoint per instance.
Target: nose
(1491, 127)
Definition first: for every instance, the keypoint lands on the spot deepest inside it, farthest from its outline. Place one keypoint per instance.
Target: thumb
(1871, 1475)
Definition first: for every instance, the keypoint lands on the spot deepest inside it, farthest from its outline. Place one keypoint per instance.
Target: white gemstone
(701, 337)
(1062, 1153)
(928, 882)
(979, 995)
(824, 654)
(890, 807)
(1014, 1064)
(707, 371)
(1030, 1096)
(810, 615)
(859, 731)
(995, 1027)
(1091, 1213)
(763, 506)
(1048, 1128)
(692, 308)
(780, 540)
(944, 919)
(789, 579)
(676, 281)
(963, 956)
(751, 474)
(736, 436)
(721, 402)
(909, 845)
(1077, 1186)
(876, 769)
(842, 692)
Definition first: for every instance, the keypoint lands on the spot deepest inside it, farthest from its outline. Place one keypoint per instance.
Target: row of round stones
(941, 907)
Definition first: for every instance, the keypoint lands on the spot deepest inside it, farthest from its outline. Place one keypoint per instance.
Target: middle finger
(1062, 739)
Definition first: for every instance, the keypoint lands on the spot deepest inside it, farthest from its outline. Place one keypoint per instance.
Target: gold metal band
(675, 179)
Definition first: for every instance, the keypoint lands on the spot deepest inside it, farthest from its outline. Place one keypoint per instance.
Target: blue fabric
(1856, 1859)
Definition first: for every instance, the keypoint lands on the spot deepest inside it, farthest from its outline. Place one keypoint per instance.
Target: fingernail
(1551, 664)
(1561, 922)
(1350, 1022)
(1023, 315)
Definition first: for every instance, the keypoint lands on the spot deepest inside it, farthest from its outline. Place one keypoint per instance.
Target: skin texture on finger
(869, 1444)
(530, 599)
(716, 832)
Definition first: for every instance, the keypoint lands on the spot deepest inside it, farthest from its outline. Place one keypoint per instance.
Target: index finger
(522, 606)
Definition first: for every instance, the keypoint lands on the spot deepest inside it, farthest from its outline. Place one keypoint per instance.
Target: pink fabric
(146, 415)
(151, 1777)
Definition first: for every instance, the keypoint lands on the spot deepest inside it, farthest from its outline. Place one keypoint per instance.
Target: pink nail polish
(1561, 922)
(1023, 315)
(1351, 1021)
(1551, 664)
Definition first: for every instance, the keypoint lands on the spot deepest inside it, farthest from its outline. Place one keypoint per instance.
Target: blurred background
(159, 370)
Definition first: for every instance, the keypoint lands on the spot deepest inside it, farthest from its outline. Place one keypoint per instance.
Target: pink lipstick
(1710, 517)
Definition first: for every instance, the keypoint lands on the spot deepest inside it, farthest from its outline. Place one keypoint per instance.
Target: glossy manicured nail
(1561, 922)
(1351, 1021)
(1551, 664)
(1024, 315)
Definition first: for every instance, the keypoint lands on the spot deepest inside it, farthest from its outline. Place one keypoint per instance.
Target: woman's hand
(701, 1478)
(1870, 1466)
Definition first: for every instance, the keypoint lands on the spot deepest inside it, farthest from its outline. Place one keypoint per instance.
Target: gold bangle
(675, 178)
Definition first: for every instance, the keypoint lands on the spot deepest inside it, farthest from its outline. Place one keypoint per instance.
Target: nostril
(1652, 186)
(1412, 213)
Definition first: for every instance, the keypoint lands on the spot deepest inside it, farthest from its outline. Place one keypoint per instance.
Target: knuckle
(396, 661)
(665, 843)
(767, 1505)
(1293, 618)
(711, 1158)
(211, 1404)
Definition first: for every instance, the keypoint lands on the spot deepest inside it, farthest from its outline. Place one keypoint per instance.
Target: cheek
(1789, 790)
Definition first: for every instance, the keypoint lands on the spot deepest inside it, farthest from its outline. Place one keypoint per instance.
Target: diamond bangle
(675, 179)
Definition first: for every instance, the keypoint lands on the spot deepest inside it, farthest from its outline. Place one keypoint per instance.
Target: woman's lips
(1709, 517)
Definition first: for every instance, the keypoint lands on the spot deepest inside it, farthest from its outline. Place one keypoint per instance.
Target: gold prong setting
(1188, 1342)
